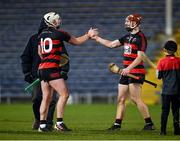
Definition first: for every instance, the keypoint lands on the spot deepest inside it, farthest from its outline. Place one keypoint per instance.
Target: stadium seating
(89, 73)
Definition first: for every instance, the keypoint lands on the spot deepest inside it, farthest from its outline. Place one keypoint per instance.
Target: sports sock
(148, 121)
(42, 123)
(59, 121)
(118, 122)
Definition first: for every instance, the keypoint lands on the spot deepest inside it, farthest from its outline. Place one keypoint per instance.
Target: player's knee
(121, 100)
(46, 100)
(65, 95)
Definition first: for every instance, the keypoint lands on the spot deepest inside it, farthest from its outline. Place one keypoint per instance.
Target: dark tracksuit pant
(167, 102)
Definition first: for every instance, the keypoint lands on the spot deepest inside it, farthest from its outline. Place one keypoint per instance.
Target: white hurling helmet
(50, 17)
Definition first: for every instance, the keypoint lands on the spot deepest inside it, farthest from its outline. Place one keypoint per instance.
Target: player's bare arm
(79, 40)
(136, 62)
(107, 43)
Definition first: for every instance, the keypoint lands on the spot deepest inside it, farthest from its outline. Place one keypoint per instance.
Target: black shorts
(125, 80)
(52, 74)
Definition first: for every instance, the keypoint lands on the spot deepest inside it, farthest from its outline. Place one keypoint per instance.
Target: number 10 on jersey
(46, 45)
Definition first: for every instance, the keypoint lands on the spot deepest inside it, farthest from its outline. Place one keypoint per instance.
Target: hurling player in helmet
(51, 46)
(134, 44)
(30, 61)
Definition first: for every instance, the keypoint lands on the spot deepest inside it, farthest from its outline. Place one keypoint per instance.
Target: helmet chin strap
(132, 27)
(50, 24)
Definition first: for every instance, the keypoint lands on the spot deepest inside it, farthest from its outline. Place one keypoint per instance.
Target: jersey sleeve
(65, 36)
(142, 43)
(159, 70)
(122, 40)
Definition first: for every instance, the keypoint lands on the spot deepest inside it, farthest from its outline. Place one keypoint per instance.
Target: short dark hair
(171, 46)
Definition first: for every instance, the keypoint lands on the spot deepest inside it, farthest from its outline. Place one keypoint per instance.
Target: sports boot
(114, 127)
(149, 126)
(61, 127)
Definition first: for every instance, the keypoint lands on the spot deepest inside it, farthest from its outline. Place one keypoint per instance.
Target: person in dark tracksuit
(168, 69)
(30, 61)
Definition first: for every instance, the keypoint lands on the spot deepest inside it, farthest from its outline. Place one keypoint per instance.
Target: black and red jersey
(169, 71)
(52, 46)
(132, 44)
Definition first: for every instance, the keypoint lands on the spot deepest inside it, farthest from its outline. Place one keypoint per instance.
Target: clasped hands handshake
(93, 33)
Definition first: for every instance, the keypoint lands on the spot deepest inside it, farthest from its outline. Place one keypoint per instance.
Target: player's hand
(92, 32)
(28, 78)
(95, 37)
(125, 71)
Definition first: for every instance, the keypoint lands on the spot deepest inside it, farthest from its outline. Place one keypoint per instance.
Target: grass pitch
(88, 122)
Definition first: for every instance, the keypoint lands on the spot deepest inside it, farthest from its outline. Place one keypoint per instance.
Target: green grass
(88, 122)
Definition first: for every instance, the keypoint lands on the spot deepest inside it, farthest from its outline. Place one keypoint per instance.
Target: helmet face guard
(52, 19)
(132, 21)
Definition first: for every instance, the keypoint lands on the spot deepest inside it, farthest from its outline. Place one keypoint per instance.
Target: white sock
(42, 125)
(116, 123)
(59, 122)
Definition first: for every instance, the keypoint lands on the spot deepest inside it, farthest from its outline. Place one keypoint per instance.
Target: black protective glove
(28, 78)
(64, 75)
(64, 71)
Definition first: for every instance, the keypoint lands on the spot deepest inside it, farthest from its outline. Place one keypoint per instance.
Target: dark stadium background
(89, 79)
